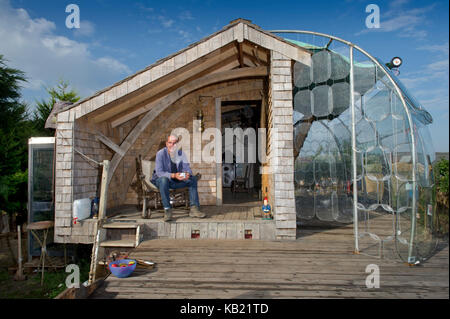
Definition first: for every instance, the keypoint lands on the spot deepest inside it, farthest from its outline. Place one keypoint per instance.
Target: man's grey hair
(178, 139)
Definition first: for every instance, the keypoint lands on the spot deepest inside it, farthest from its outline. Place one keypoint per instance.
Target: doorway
(241, 178)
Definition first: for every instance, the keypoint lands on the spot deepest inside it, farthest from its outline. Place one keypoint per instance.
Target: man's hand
(179, 177)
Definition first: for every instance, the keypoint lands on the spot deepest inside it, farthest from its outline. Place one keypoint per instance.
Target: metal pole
(411, 258)
(355, 184)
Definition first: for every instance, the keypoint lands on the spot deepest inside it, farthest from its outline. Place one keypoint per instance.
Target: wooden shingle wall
(281, 145)
(63, 176)
(76, 177)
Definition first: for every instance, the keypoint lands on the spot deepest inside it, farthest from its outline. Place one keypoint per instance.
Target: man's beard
(173, 154)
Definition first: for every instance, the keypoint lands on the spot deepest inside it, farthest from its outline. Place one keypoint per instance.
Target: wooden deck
(252, 211)
(319, 264)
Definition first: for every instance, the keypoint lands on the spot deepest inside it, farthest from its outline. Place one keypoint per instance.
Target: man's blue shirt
(164, 165)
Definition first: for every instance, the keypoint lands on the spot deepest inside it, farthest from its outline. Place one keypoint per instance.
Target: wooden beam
(167, 82)
(240, 53)
(226, 64)
(260, 53)
(152, 104)
(102, 138)
(156, 109)
(229, 66)
(230, 108)
(249, 62)
(254, 60)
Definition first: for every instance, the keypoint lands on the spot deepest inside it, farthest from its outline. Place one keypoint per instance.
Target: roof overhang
(240, 44)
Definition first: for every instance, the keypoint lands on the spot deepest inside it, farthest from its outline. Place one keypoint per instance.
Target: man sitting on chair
(172, 171)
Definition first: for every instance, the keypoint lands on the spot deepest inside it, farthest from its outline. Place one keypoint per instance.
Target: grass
(54, 283)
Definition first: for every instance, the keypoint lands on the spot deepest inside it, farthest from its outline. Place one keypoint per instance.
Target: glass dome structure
(362, 150)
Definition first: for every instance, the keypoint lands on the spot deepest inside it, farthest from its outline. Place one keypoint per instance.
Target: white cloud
(113, 64)
(86, 28)
(430, 82)
(166, 22)
(186, 15)
(33, 46)
(143, 8)
(439, 48)
(186, 36)
(405, 22)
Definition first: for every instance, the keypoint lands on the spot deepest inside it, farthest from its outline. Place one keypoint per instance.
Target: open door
(241, 179)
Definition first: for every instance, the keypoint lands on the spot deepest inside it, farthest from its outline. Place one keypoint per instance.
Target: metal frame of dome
(407, 102)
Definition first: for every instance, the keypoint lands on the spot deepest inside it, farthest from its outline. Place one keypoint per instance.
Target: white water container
(81, 209)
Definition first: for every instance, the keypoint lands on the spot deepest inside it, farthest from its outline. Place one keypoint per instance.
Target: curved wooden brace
(161, 105)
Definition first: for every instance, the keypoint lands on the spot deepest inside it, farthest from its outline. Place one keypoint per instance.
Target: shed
(329, 119)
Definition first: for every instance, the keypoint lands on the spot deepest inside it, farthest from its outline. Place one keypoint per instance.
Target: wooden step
(118, 243)
(121, 225)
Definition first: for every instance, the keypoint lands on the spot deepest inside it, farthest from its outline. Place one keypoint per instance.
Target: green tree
(442, 181)
(15, 129)
(441, 169)
(61, 92)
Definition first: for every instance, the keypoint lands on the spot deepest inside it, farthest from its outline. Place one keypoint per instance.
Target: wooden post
(218, 111)
(103, 191)
(19, 274)
(98, 225)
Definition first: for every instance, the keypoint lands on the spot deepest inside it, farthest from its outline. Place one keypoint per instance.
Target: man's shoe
(195, 212)
(167, 214)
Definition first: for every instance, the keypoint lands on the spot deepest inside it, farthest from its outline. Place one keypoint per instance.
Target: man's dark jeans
(164, 184)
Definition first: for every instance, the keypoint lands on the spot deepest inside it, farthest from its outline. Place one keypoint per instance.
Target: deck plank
(319, 264)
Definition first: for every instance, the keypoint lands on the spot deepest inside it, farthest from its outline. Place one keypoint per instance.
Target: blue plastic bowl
(122, 272)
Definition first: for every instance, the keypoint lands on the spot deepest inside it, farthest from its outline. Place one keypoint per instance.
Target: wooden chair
(242, 183)
(150, 192)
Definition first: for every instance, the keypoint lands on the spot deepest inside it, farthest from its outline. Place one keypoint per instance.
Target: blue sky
(118, 38)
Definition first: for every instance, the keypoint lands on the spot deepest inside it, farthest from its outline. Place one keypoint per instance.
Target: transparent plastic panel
(302, 102)
(318, 172)
(304, 185)
(402, 162)
(364, 74)
(341, 128)
(376, 102)
(340, 97)
(428, 146)
(373, 104)
(423, 168)
(387, 131)
(366, 137)
(302, 75)
(321, 66)
(425, 240)
(322, 101)
(325, 176)
(340, 63)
